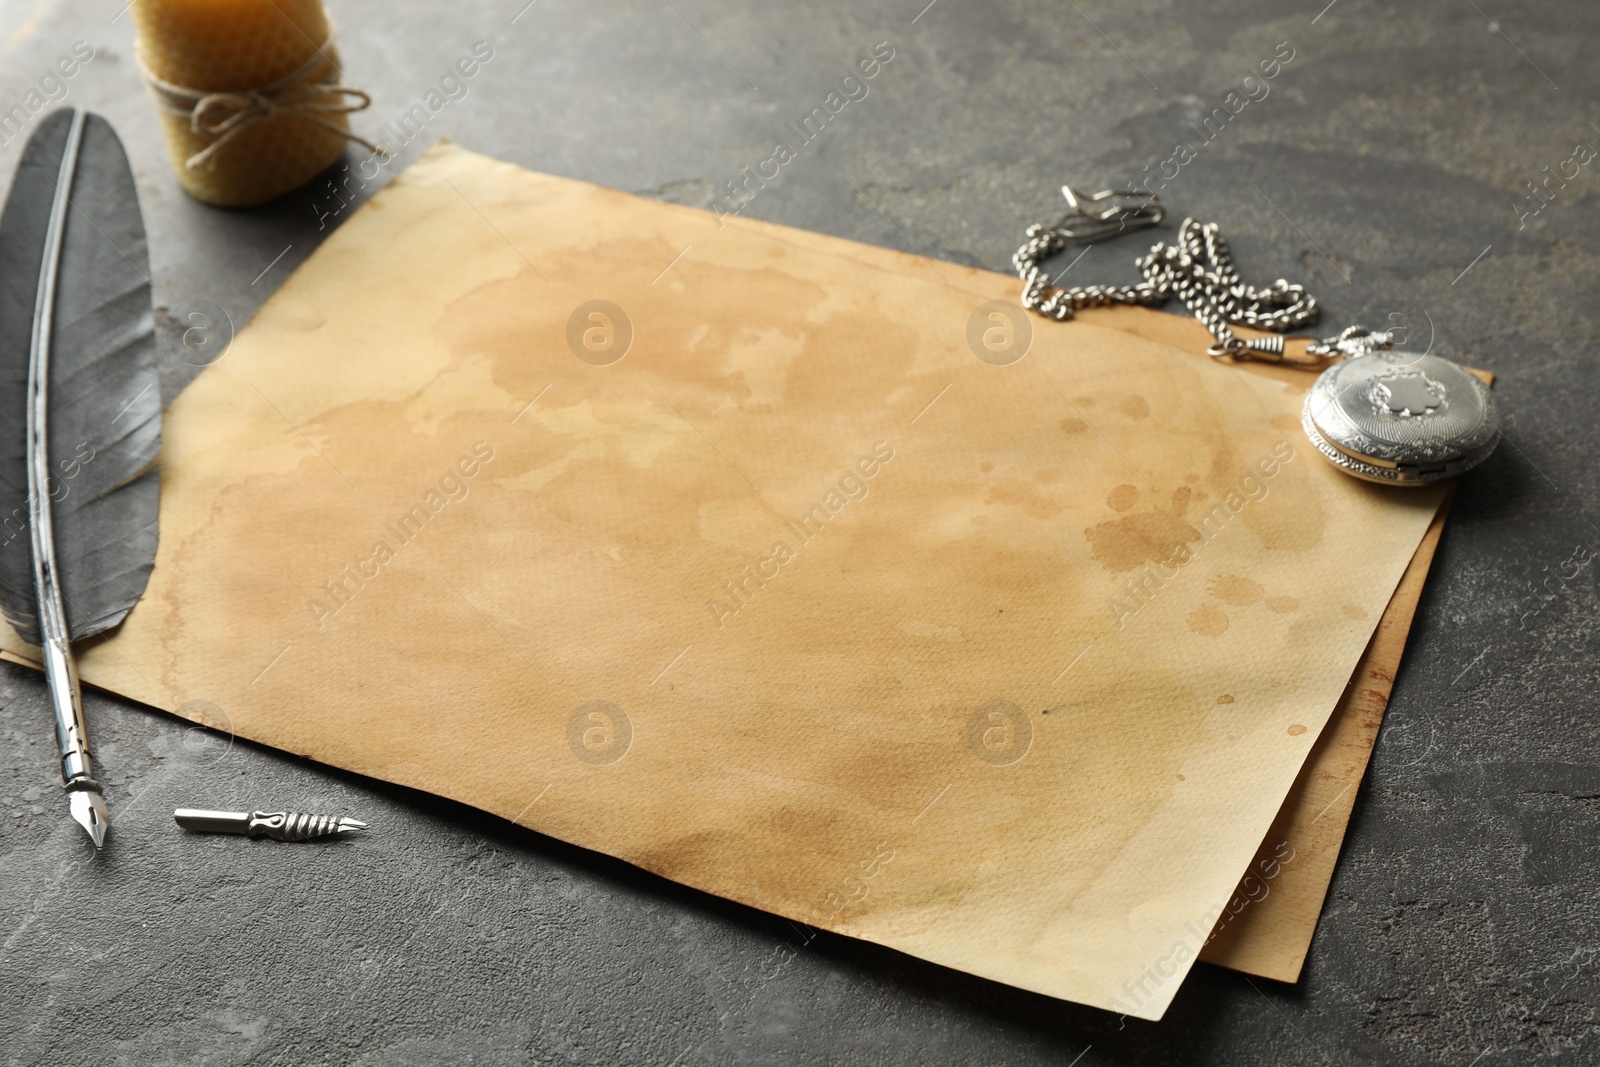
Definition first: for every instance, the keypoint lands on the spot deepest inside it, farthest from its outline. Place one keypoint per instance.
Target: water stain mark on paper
(1207, 621)
(1156, 543)
(854, 888)
(530, 403)
(302, 434)
(1122, 498)
(1210, 621)
(1134, 407)
(1026, 497)
(851, 488)
(451, 486)
(1239, 592)
(1121, 545)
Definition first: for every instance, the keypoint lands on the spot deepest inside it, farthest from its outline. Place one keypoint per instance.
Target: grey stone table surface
(1414, 164)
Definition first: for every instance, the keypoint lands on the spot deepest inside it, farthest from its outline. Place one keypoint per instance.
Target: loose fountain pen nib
(89, 808)
(278, 825)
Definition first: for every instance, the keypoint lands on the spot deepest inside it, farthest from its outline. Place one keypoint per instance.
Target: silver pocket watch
(1377, 412)
(1395, 417)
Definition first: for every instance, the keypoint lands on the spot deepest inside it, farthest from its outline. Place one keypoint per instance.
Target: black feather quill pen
(80, 413)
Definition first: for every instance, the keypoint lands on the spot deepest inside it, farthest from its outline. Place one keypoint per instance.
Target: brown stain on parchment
(1242, 592)
(1122, 497)
(1234, 590)
(514, 321)
(1015, 492)
(1210, 621)
(193, 569)
(1134, 407)
(1123, 544)
(1207, 621)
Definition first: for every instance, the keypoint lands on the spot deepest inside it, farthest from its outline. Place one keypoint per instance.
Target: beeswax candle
(249, 92)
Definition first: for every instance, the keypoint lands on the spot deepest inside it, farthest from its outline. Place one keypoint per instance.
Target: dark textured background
(1390, 155)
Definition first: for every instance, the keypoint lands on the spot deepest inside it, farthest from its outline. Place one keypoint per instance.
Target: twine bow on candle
(306, 95)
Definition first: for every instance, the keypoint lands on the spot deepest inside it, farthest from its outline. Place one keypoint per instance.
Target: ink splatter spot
(1296, 730)
(1181, 778)
(1352, 611)
(1207, 621)
(1225, 698)
(1283, 604)
(1135, 407)
(1240, 592)
(1123, 497)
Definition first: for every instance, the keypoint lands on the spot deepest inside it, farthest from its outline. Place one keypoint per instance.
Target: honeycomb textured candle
(240, 45)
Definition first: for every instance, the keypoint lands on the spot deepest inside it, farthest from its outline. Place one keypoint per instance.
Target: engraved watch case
(1399, 418)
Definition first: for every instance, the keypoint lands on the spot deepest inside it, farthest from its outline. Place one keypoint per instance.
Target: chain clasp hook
(1107, 213)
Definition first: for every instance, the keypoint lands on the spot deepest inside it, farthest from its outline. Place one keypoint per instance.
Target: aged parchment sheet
(1006, 665)
(1266, 927)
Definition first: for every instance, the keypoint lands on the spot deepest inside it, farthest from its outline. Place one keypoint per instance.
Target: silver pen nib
(89, 808)
(278, 825)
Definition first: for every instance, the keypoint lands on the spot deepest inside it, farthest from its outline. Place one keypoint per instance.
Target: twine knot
(310, 94)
